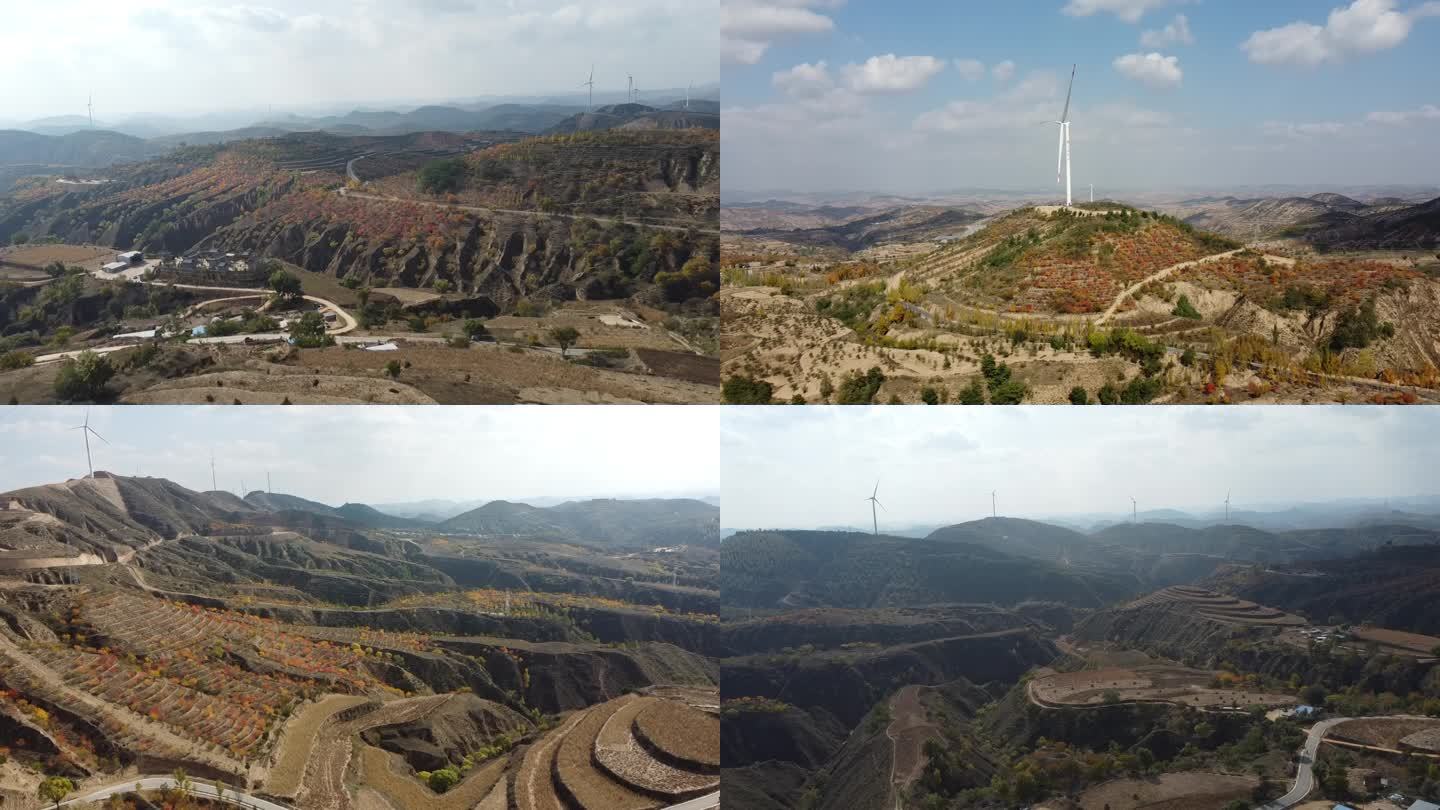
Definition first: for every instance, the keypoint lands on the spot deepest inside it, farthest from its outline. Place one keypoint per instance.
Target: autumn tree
(84, 377)
(54, 789)
(564, 337)
(286, 285)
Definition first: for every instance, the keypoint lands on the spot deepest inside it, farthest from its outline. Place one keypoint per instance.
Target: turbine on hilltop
(590, 84)
(1062, 161)
(86, 430)
(874, 502)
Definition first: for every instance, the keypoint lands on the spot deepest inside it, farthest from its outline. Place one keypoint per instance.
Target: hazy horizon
(783, 469)
(373, 454)
(176, 58)
(823, 95)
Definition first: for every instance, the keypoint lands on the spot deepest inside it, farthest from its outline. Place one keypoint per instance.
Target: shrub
(1185, 309)
(1187, 357)
(1108, 395)
(1010, 392)
(285, 285)
(972, 394)
(746, 391)
(860, 389)
(440, 176)
(309, 332)
(16, 359)
(443, 779)
(564, 337)
(929, 396)
(1141, 390)
(84, 377)
(1079, 396)
(392, 368)
(475, 329)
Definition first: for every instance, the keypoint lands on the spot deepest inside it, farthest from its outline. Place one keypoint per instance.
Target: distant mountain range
(70, 141)
(1327, 220)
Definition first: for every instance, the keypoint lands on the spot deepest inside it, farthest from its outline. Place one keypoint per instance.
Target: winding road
(1305, 773)
(197, 788)
(343, 192)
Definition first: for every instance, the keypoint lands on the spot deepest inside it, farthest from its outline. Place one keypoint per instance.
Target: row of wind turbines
(90, 465)
(874, 501)
(632, 91)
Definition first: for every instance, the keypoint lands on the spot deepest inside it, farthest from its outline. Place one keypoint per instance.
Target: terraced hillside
(300, 656)
(1126, 305)
(1181, 622)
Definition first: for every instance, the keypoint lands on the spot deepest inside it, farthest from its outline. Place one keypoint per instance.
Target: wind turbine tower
(629, 88)
(90, 106)
(268, 490)
(86, 430)
(1092, 192)
(590, 84)
(214, 487)
(874, 502)
(688, 88)
(1227, 506)
(1062, 160)
(992, 504)
(1134, 513)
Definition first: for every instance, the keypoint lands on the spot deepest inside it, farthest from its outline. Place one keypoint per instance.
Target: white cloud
(1176, 33)
(1427, 112)
(1003, 71)
(892, 74)
(749, 27)
(803, 80)
(1286, 129)
(1365, 26)
(1128, 10)
(971, 69)
(1151, 69)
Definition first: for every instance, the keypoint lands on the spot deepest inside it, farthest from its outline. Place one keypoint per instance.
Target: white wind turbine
(590, 84)
(1227, 506)
(86, 430)
(1062, 160)
(993, 512)
(874, 502)
(1134, 513)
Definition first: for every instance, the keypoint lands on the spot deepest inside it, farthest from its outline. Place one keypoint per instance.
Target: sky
(192, 56)
(936, 95)
(815, 466)
(378, 454)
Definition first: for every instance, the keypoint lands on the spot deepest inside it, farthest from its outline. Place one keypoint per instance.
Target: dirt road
(479, 210)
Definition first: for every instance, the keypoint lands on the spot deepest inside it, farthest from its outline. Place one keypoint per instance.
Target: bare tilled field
(1384, 732)
(1171, 791)
(1399, 641)
(38, 256)
(1179, 685)
(594, 761)
(909, 729)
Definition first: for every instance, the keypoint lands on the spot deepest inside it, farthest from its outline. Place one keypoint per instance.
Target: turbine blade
(1065, 116)
(877, 489)
(98, 436)
(881, 505)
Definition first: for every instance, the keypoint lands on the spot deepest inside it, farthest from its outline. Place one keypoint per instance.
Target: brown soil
(1189, 687)
(1410, 642)
(909, 728)
(1382, 733)
(681, 366)
(1171, 791)
(681, 732)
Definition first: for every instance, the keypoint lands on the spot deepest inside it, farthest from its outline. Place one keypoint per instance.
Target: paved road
(706, 802)
(1305, 775)
(197, 788)
(477, 209)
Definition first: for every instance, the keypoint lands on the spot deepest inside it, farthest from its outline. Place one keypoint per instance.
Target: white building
(130, 257)
(115, 267)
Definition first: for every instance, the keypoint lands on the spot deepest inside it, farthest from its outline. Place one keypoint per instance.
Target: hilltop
(644, 523)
